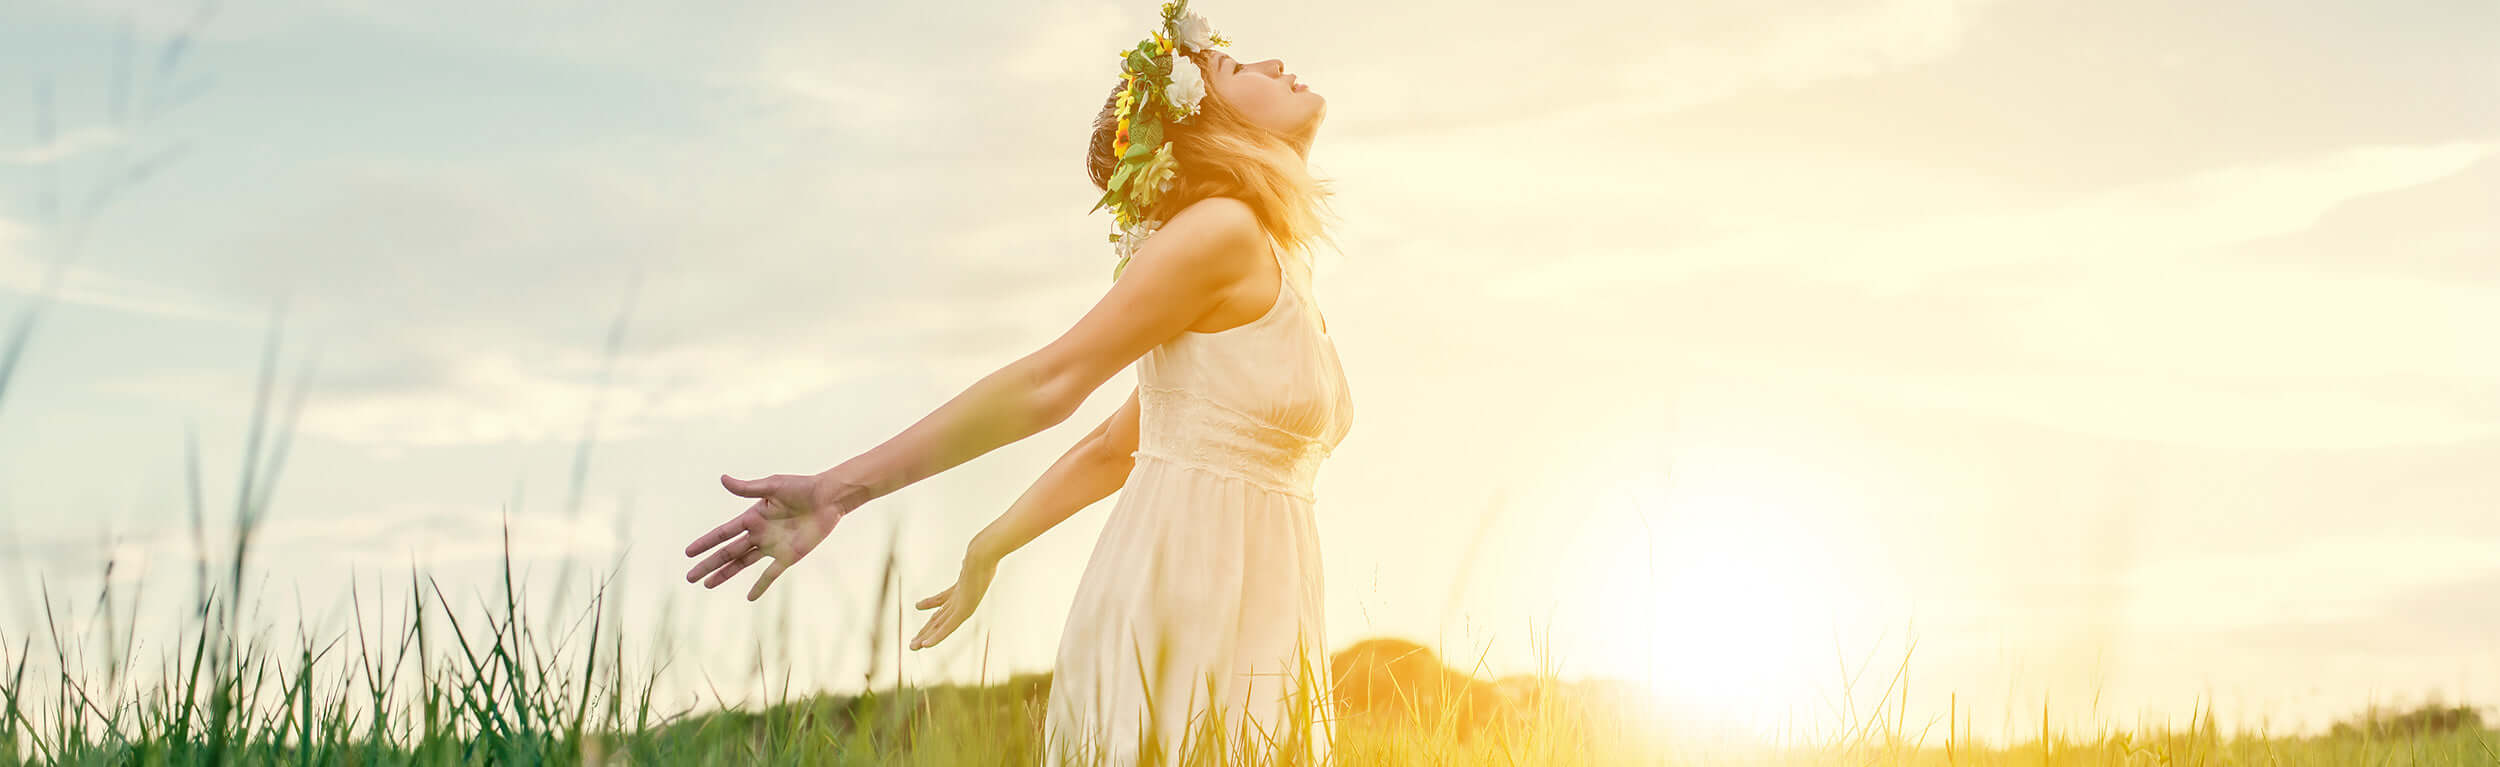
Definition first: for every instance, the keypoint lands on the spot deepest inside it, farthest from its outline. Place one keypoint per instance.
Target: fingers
(727, 530)
(939, 627)
(735, 566)
(920, 639)
(721, 558)
(936, 599)
(751, 488)
(765, 581)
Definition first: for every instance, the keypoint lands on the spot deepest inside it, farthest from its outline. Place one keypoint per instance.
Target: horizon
(2136, 358)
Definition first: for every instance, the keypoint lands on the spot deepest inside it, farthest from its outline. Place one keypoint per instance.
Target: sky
(2116, 358)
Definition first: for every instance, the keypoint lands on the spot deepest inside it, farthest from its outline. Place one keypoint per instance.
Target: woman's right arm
(1178, 275)
(1092, 470)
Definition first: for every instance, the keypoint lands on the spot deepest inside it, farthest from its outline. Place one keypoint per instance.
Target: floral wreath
(1163, 87)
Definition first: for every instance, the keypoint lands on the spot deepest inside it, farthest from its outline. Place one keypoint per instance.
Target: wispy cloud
(23, 272)
(2149, 223)
(2323, 578)
(2131, 312)
(63, 147)
(448, 395)
(1597, 62)
(379, 536)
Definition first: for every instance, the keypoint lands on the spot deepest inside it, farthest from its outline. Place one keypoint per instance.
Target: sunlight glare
(1726, 605)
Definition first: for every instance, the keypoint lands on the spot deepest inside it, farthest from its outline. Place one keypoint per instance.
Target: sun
(1725, 598)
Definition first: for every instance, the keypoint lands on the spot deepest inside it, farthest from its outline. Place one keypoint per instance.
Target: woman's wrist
(838, 495)
(986, 547)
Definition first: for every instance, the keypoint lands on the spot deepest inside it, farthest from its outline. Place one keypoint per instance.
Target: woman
(1198, 621)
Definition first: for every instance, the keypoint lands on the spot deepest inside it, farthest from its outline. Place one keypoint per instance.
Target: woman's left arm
(1089, 472)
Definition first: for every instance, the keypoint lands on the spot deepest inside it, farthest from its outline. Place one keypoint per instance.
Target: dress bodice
(1264, 402)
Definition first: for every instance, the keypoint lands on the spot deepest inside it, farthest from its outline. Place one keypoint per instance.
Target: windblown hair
(1221, 153)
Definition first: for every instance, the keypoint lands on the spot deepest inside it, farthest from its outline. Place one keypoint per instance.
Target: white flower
(1132, 237)
(1188, 86)
(1195, 33)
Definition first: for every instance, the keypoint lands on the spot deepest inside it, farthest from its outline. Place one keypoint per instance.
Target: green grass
(437, 683)
(424, 677)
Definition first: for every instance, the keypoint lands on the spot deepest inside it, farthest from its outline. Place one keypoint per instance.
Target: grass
(424, 677)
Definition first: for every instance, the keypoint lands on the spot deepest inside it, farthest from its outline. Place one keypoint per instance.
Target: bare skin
(1206, 270)
(1189, 274)
(1096, 467)
(1263, 92)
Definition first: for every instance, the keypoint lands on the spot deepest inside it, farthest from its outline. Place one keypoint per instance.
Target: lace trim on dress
(1183, 463)
(1254, 420)
(1193, 430)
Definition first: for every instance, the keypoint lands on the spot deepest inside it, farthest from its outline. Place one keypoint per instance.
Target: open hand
(789, 517)
(957, 601)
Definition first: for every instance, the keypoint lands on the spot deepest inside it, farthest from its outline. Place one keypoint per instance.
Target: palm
(956, 602)
(785, 523)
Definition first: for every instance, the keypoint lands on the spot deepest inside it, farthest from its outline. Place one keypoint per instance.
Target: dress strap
(1300, 285)
(1283, 270)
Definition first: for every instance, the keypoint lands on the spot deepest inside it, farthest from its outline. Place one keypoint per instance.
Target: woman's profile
(1198, 619)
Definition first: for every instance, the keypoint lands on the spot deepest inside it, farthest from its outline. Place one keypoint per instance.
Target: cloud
(436, 393)
(2262, 357)
(2323, 578)
(2437, 230)
(433, 537)
(1565, 66)
(816, 225)
(494, 398)
(2149, 223)
(169, 25)
(2248, 414)
(24, 273)
(2132, 312)
(64, 147)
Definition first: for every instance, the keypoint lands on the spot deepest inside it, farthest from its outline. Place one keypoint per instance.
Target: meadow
(420, 676)
(428, 682)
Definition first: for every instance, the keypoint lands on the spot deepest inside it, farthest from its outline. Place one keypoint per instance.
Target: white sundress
(1209, 566)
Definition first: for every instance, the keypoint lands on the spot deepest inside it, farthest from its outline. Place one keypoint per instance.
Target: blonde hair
(1221, 153)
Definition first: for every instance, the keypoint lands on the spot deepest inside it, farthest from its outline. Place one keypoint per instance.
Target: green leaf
(1145, 130)
(1127, 170)
(1108, 196)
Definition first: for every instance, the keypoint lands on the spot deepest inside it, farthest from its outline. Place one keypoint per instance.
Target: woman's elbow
(1114, 457)
(1053, 392)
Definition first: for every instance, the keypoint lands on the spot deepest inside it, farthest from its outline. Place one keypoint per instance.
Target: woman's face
(1263, 92)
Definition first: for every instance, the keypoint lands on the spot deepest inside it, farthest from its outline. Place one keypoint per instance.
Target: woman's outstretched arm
(1097, 466)
(1177, 276)
(1206, 250)
(1090, 471)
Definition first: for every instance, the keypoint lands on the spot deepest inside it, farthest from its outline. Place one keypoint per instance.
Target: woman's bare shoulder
(1223, 232)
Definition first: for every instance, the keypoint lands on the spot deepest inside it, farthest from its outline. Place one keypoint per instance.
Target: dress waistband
(1190, 430)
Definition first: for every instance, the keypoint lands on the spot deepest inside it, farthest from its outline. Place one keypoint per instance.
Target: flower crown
(1162, 88)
